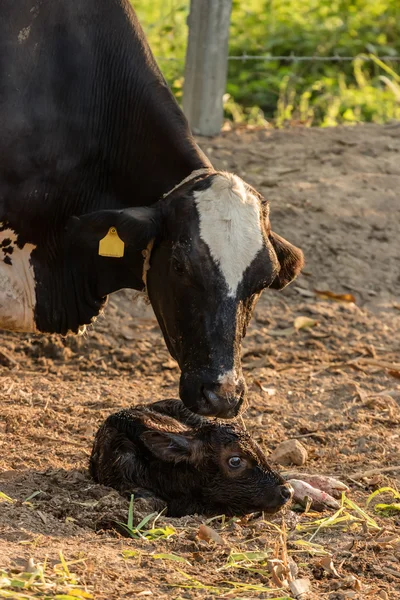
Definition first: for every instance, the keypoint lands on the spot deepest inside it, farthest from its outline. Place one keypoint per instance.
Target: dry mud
(335, 386)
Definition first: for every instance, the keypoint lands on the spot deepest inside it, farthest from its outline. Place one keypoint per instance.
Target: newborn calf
(193, 464)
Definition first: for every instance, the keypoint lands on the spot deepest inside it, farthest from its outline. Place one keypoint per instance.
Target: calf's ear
(171, 447)
(130, 227)
(290, 258)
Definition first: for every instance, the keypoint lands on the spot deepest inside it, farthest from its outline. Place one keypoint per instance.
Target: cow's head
(213, 253)
(215, 256)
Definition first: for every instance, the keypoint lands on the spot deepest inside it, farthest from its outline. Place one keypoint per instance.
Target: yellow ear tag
(111, 245)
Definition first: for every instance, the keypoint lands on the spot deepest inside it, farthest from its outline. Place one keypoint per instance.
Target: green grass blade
(249, 556)
(370, 521)
(382, 490)
(131, 532)
(33, 495)
(5, 498)
(130, 513)
(144, 521)
(130, 553)
(385, 67)
(172, 557)
(388, 510)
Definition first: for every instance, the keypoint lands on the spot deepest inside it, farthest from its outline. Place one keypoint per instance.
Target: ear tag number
(111, 245)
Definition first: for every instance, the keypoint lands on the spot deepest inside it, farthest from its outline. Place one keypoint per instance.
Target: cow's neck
(73, 291)
(141, 134)
(150, 167)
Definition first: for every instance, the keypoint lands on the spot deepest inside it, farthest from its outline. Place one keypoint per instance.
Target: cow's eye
(178, 266)
(235, 462)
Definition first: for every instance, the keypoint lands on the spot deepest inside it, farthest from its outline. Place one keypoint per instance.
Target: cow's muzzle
(223, 397)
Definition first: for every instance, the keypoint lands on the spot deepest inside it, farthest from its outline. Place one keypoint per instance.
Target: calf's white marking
(17, 286)
(230, 225)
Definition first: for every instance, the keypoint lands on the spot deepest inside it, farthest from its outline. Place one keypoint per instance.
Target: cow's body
(91, 139)
(73, 141)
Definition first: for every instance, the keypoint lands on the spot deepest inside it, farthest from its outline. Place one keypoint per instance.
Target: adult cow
(97, 165)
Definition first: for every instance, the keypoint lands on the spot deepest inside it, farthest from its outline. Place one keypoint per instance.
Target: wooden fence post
(206, 65)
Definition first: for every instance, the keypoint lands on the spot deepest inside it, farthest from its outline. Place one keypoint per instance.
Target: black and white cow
(93, 145)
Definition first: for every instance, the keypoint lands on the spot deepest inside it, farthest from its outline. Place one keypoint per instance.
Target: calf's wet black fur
(193, 464)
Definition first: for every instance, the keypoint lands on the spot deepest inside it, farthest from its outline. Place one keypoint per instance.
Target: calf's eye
(235, 462)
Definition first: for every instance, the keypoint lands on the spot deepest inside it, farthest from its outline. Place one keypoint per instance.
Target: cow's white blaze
(17, 285)
(230, 225)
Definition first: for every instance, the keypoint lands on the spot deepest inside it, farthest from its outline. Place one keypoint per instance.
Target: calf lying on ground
(193, 464)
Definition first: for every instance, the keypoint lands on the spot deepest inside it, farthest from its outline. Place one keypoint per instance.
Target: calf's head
(224, 472)
(213, 252)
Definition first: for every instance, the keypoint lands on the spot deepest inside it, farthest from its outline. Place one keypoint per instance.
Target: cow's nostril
(286, 492)
(210, 396)
(219, 406)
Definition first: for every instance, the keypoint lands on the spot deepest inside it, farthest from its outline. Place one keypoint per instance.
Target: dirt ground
(335, 386)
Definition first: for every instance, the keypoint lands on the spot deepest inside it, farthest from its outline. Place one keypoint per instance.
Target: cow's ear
(171, 447)
(290, 258)
(135, 227)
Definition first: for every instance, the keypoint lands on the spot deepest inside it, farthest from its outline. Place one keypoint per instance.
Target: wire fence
(356, 80)
(293, 58)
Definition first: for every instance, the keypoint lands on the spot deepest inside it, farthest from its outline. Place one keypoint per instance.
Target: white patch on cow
(228, 382)
(17, 285)
(230, 225)
(24, 34)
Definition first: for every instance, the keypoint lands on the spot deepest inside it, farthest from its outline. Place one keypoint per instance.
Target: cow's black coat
(87, 122)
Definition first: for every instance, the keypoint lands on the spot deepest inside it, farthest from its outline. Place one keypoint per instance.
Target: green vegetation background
(317, 92)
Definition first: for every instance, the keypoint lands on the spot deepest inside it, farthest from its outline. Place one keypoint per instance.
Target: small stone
(290, 452)
(299, 587)
(383, 595)
(362, 444)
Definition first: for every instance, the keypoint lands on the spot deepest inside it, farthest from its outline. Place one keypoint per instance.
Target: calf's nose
(286, 493)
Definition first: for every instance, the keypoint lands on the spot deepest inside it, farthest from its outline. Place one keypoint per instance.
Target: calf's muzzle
(276, 499)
